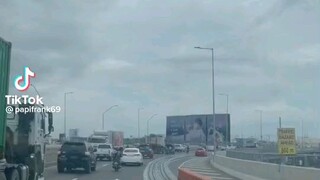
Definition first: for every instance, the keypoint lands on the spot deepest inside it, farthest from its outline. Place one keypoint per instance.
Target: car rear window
(73, 147)
(104, 146)
(131, 151)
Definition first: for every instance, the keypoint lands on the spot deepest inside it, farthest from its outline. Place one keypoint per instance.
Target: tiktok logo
(22, 83)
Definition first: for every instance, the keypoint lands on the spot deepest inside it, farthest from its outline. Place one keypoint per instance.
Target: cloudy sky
(140, 54)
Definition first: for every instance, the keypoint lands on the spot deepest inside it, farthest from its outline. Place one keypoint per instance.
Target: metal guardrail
(305, 160)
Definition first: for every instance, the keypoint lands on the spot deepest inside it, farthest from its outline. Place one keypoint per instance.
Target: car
(131, 156)
(231, 147)
(169, 149)
(222, 148)
(76, 155)
(210, 148)
(201, 152)
(146, 152)
(179, 148)
(104, 151)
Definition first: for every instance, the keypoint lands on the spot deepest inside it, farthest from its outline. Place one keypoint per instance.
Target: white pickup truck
(104, 151)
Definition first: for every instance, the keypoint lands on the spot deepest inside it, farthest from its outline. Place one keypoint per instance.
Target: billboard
(175, 129)
(198, 129)
(195, 129)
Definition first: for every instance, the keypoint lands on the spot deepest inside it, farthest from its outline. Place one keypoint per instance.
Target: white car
(210, 148)
(179, 148)
(131, 156)
(104, 151)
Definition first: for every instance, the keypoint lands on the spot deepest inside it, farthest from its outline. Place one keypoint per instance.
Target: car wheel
(69, 169)
(14, 175)
(88, 168)
(94, 167)
(60, 168)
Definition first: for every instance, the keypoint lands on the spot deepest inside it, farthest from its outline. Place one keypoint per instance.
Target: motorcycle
(116, 166)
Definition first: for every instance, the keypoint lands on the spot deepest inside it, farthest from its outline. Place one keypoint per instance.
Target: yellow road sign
(286, 141)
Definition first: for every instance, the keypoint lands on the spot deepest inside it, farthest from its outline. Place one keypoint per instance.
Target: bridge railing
(305, 160)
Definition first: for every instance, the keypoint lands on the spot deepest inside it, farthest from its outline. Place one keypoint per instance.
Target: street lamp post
(34, 87)
(148, 135)
(139, 123)
(260, 111)
(227, 123)
(65, 112)
(105, 113)
(213, 101)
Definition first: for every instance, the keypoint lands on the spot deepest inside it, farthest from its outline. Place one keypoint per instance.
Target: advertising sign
(286, 141)
(198, 129)
(222, 128)
(175, 129)
(195, 129)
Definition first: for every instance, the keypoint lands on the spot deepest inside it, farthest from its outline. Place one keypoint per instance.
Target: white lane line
(185, 162)
(202, 170)
(75, 179)
(199, 168)
(208, 173)
(222, 178)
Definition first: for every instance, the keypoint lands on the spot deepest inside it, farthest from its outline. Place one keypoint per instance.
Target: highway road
(104, 172)
(161, 167)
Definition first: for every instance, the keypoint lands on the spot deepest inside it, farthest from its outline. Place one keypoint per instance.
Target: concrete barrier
(184, 174)
(253, 170)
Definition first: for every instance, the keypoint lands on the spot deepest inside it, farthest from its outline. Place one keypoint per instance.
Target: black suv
(76, 155)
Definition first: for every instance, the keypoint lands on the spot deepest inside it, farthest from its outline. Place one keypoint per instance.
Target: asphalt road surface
(161, 167)
(104, 172)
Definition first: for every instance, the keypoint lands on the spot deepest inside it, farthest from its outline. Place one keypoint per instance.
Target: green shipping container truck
(22, 135)
(5, 49)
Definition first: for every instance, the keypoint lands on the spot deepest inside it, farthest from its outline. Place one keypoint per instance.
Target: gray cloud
(135, 53)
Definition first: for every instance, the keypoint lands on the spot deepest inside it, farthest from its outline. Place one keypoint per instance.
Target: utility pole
(213, 95)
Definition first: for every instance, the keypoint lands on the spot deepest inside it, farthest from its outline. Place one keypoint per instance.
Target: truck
(156, 143)
(115, 138)
(22, 135)
(98, 137)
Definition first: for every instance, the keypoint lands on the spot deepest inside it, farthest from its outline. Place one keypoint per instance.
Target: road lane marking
(75, 179)
(208, 173)
(105, 165)
(222, 178)
(185, 162)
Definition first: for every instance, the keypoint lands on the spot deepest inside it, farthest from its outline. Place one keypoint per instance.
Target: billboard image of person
(222, 129)
(195, 130)
(175, 129)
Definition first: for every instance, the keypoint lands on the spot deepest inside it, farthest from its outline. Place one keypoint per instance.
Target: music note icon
(22, 83)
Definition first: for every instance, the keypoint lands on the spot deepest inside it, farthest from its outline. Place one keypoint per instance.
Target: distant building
(308, 142)
(73, 133)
